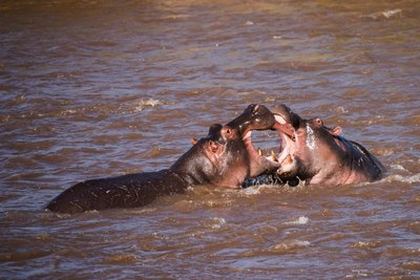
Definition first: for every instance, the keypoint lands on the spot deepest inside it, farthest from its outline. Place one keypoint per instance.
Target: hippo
(221, 159)
(317, 154)
(207, 162)
(255, 117)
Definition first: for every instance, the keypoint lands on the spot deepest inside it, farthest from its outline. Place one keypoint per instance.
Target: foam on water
(398, 167)
(142, 104)
(256, 189)
(85, 95)
(290, 245)
(217, 222)
(302, 220)
(405, 179)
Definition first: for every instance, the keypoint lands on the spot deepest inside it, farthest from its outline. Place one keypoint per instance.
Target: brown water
(100, 88)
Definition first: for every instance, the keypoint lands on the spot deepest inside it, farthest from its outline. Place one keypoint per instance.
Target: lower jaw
(261, 163)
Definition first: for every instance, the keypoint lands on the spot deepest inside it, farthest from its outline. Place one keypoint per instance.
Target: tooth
(279, 119)
(259, 152)
(273, 156)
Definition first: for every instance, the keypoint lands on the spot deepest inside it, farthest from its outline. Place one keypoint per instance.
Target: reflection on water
(92, 89)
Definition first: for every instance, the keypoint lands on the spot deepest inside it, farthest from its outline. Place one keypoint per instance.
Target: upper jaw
(283, 123)
(259, 117)
(254, 117)
(282, 159)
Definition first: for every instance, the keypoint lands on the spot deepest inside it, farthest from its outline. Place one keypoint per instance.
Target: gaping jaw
(286, 157)
(281, 160)
(259, 163)
(254, 117)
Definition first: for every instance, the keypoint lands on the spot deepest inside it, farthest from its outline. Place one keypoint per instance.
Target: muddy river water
(92, 89)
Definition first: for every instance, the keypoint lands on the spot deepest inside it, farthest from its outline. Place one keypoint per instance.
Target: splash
(391, 13)
(398, 167)
(404, 179)
(147, 103)
(252, 190)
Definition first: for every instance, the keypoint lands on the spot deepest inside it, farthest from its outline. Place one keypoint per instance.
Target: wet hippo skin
(262, 168)
(254, 117)
(219, 159)
(315, 154)
(319, 154)
(223, 158)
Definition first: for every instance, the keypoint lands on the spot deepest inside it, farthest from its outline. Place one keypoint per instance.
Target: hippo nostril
(251, 107)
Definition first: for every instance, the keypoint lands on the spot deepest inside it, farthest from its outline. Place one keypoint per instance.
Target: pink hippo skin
(318, 154)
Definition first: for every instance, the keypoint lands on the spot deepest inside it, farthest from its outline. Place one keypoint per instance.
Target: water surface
(91, 89)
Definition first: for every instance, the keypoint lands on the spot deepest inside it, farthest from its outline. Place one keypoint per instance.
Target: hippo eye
(251, 108)
(318, 121)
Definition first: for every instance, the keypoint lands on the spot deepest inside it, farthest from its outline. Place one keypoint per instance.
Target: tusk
(273, 156)
(279, 119)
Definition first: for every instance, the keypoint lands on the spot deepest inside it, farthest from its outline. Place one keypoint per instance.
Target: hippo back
(131, 190)
(363, 161)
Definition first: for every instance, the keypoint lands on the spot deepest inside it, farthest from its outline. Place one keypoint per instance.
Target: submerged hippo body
(131, 190)
(209, 161)
(319, 154)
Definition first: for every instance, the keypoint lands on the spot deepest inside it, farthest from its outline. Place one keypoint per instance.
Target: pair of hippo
(309, 151)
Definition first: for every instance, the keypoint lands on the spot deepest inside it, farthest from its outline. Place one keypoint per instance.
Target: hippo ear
(318, 122)
(194, 140)
(336, 131)
(214, 129)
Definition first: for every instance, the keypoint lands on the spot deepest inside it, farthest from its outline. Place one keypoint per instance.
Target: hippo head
(254, 117)
(219, 159)
(307, 146)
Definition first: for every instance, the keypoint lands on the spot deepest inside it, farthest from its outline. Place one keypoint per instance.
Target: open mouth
(288, 140)
(277, 158)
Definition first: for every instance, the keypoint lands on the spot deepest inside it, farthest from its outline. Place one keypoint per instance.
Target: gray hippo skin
(220, 159)
(318, 154)
(207, 162)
